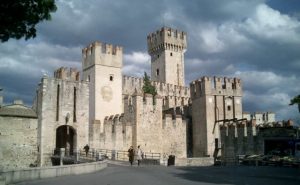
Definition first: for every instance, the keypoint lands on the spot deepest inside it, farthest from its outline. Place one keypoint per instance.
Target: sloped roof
(17, 110)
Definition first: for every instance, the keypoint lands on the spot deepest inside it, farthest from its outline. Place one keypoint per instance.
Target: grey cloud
(136, 63)
(117, 22)
(23, 65)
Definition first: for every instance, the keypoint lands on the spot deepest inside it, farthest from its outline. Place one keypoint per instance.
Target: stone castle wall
(59, 105)
(174, 136)
(238, 139)
(18, 141)
(143, 124)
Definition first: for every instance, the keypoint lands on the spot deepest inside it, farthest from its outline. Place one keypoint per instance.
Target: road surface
(159, 175)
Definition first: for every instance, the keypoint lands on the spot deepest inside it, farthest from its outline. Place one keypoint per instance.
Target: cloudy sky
(257, 41)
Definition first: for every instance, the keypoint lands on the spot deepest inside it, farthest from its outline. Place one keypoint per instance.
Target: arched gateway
(66, 138)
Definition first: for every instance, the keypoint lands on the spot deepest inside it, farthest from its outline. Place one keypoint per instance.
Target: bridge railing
(123, 155)
(101, 154)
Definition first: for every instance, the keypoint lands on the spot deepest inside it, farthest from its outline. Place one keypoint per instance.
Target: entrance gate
(65, 138)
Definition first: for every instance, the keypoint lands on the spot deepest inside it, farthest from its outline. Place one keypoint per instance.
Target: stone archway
(66, 138)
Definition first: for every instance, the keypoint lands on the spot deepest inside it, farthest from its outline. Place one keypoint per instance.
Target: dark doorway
(65, 138)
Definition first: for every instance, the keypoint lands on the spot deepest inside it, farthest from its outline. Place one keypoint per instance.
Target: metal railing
(123, 155)
(82, 156)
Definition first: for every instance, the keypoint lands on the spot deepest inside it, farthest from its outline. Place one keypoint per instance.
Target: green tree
(18, 18)
(148, 87)
(296, 100)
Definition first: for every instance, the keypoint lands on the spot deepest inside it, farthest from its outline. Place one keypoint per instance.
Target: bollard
(61, 155)
(77, 153)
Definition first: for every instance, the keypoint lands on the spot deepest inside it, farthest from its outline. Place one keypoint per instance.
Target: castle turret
(214, 99)
(102, 65)
(166, 48)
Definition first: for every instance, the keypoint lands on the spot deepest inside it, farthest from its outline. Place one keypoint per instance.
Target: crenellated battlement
(132, 85)
(172, 95)
(171, 120)
(65, 73)
(105, 48)
(166, 39)
(114, 119)
(250, 129)
(102, 53)
(216, 86)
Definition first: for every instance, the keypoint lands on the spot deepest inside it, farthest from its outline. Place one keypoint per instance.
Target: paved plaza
(159, 175)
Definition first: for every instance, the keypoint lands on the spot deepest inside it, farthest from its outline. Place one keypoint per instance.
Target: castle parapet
(114, 119)
(216, 86)
(133, 84)
(172, 95)
(65, 73)
(166, 39)
(102, 53)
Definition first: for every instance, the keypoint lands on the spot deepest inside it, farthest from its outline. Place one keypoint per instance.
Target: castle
(108, 110)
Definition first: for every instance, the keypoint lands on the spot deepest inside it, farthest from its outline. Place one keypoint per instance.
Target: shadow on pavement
(237, 175)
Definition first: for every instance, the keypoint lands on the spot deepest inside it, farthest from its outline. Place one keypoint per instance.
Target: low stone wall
(14, 176)
(199, 161)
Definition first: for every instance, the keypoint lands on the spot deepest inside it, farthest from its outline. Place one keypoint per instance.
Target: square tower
(166, 48)
(102, 65)
(213, 100)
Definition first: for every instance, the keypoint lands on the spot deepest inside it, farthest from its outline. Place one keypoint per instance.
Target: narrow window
(228, 107)
(157, 56)
(171, 54)
(74, 104)
(57, 102)
(111, 77)
(157, 72)
(89, 78)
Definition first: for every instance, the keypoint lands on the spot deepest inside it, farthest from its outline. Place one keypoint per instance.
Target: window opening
(74, 105)
(57, 102)
(111, 77)
(228, 107)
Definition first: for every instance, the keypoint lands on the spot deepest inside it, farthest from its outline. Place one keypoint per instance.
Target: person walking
(140, 155)
(131, 154)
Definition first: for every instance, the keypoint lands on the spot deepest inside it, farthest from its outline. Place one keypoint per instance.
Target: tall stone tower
(166, 48)
(102, 64)
(213, 99)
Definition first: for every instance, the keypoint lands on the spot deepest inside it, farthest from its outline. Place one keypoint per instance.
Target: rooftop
(17, 109)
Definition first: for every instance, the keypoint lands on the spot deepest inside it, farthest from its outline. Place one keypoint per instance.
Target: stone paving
(122, 173)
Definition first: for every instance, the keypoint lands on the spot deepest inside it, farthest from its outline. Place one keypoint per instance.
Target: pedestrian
(140, 155)
(86, 149)
(131, 155)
